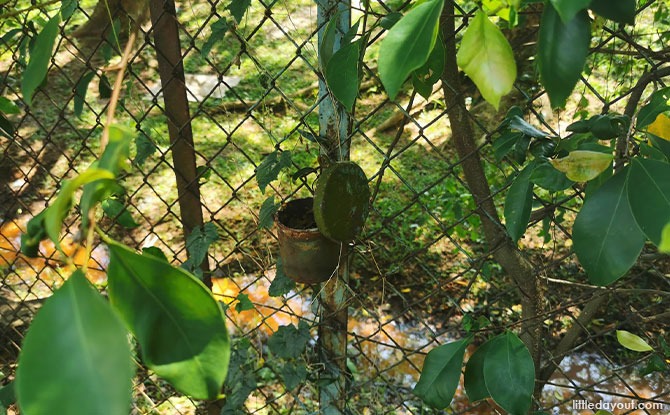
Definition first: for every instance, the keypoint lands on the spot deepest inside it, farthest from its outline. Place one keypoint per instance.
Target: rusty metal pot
(307, 256)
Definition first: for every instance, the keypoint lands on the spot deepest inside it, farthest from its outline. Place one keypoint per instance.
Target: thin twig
(387, 156)
(116, 92)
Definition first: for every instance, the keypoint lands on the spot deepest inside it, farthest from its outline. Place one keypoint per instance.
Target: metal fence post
(171, 69)
(334, 124)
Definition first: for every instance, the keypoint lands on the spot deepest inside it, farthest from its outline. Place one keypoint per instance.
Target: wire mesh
(422, 273)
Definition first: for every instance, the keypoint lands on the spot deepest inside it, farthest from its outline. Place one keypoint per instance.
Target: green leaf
(144, 148)
(219, 29)
(7, 396)
(388, 21)
(80, 92)
(664, 246)
(6, 127)
(269, 169)
(632, 342)
(40, 57)
(649, 197)
(622, 11)
(473, 378)
(293, 374)
(342, 74)
(198, 243)
(243, 303)
(268, 210)
(486, 57)
(35, 232)
(117, 211)
(659, 102)
(505, 143)
(7, 106)
(104, 87)
(567, 9)
(562, 50)
(327, 44)
(113, 159)
(56, 213)
(518, 123)
(75, 358)
(155, 252)
(547, 177)
(424, 78)
(509, 373)
(606, 238)
(238, 8)
(518, 203)
(179, 326)
(603, 412)
(440, 374)
(583, 165)
(281, 283)
(68, 7)
(408, 45)
(288, 341)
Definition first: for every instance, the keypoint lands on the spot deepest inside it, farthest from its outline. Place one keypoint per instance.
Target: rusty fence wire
(212, 94)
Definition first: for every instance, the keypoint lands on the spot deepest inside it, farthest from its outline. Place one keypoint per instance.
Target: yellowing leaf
(660, 127)
(664, 246)
(487, 58)
(582, 165)
(632, 342)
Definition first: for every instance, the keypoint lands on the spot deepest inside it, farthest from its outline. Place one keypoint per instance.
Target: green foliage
(270, 167)
(243, 303)
(56, 212)
(562, 50)
(622, 11)
(144, 148)
(40, 56)
(473, 377)
(649, 196)
(568, 9)
(659, 102)
(241, 379)
(518, 203)
(75, 359)
(288, 341)
(606, 237)
(509, 373)
(178, 324)
(343, 73)
(486, 57)
(117, 211)
(266, 215)
(426, 76)
(281, 283)
(197, 244)
(293, 373)
(440, 374)
(238, 8)
(219, 29)
(80, 92)
(408, 45)
(68, 7)
(632, 341)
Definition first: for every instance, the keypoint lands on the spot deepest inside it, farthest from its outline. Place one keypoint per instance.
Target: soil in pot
(307, 256)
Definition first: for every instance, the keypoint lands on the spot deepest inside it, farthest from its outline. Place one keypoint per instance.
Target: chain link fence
(236, 88)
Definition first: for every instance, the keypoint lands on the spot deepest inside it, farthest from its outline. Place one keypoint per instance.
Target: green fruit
(341, 201)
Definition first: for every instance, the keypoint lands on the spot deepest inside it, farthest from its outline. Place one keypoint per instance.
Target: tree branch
(504, 249)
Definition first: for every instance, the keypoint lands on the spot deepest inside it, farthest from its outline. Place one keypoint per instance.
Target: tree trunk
(130, 13)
